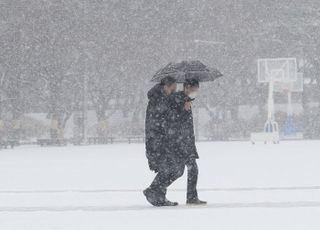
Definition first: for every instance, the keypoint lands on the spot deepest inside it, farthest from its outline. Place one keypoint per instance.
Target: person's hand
(187, 105)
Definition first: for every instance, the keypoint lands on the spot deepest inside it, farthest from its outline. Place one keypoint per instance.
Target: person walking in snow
(181, 138)
(164, 164)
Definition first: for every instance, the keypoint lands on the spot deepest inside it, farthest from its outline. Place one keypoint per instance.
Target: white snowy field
(99, 187)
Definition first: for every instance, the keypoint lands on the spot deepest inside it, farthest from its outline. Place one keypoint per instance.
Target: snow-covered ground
(99, 187)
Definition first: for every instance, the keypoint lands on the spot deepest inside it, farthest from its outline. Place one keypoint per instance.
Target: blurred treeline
(61, 56)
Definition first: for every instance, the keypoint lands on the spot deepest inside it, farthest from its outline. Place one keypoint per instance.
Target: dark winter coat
(155, 123)
(180, 131)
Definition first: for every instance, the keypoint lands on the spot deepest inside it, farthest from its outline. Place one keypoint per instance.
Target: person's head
(191, 87)
(169, 85)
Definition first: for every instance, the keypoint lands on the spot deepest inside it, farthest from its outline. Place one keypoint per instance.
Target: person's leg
(192, 194)
(166, 177)
(156, 193)
(160, 183)
(193, 171)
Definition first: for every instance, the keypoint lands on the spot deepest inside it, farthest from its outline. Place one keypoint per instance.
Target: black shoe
(196, 201)
(156, 200)
(169, 203)
(153, 198)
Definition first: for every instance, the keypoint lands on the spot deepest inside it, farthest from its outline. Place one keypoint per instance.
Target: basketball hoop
(284, 87)
(282, 76)
(290, 86)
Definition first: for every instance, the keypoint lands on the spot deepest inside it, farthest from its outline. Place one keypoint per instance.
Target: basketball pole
(271, 125)
(271, 101)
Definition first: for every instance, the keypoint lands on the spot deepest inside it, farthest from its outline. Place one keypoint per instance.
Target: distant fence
(94, 141)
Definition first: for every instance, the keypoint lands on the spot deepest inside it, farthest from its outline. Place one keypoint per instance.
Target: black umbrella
(187, 70)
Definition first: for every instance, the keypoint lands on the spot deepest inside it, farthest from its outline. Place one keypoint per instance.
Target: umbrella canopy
(187, 70)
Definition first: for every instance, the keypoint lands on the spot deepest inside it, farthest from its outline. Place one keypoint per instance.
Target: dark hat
(191, 82)
(168, 80)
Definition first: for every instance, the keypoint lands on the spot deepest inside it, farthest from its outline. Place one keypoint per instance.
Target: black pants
(168, 173)
(192, 179)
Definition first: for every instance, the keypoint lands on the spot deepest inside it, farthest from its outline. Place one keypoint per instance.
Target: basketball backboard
(278, 69)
